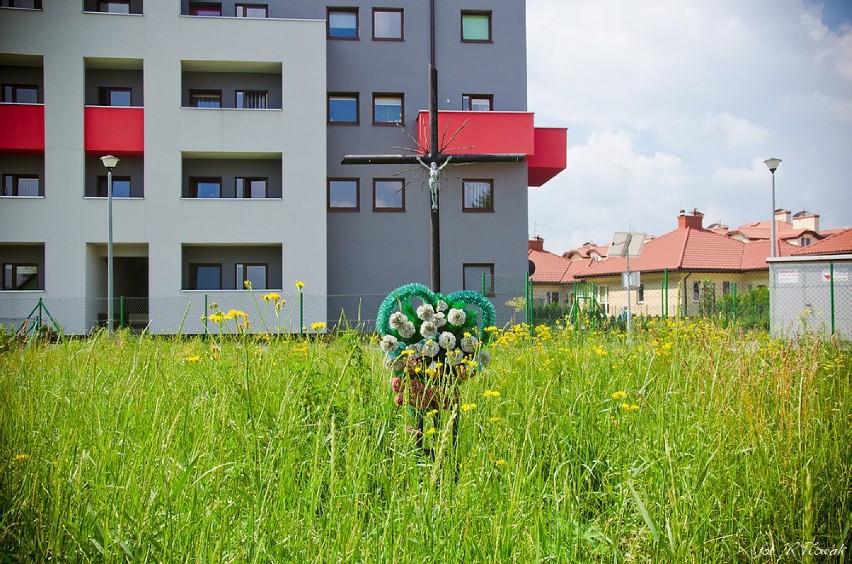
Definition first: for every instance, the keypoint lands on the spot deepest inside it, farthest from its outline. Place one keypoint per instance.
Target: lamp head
(772, 164)
(109, 161)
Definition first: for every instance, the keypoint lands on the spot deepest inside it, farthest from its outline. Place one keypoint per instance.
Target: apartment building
(230, 121)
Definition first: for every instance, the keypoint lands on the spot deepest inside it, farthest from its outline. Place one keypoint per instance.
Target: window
(696, 291)
(252, 99)
(17, 185)
(479, 276)
(254, 273)
(251, 187)
(806, 241)
(205, 276)
(344, 194)
(388, 195)
(640, 294)
(342, 23)
(115, 7)
(477, 102)
(343, 109)
(27, 4)
(252, 11)
(478, 196)
(387, 109)
(476, 27)
(603, 297)
(552, 297)
(110, 96)
(205, 187)
(205, 9)
(20, 93)
(205, 98)
(387, 24)
(20, 277)
(120, 186)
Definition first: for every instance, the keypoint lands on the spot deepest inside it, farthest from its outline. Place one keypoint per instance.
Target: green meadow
(687, 443)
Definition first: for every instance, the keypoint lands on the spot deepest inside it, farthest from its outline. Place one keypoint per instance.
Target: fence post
(482, 291)
(204, 317)
(40, 308)
(736, 293)
(301, 313)
(665, 293)
(121, 311)
(831, 292)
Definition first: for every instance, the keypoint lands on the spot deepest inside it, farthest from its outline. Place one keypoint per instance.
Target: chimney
(806, 220)
(782, 215)
(694, 221)
(536, 244)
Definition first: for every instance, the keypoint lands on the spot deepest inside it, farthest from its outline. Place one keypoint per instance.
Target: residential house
(553, 279)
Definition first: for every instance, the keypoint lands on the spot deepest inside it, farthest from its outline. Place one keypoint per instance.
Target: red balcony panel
(483, 132)
(116, 131)
(550, 155)
(22, 129)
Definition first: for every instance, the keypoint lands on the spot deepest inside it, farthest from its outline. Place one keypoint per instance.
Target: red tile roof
(839, 243)
(693, 250)
(554, 269)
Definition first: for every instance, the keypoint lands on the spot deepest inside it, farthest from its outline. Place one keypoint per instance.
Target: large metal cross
(434, 160)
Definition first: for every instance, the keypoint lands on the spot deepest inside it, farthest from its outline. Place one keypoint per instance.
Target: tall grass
(686, 444)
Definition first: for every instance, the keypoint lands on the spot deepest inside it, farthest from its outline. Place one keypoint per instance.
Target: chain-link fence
(809, 296)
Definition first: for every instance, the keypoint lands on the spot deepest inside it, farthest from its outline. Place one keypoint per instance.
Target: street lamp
(110, 163)
(772, 165)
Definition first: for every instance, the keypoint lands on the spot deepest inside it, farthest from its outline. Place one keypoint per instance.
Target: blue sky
(674, 105)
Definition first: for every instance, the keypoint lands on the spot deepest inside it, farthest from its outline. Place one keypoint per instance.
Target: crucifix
(435, 160)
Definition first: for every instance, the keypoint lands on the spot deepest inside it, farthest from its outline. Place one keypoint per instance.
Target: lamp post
(772, 165)
(110, 163)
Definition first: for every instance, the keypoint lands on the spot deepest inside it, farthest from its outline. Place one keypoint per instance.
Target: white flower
(440, 320)
(431, 348)
(442, 305)
(455, 357)
(397, 320)
(447, 340)
(484, 358)
(469, 343)
(416, 349)
(407, 330)
(428, 329)
(389, 343)
(394, 363)
(456, 317)
(426, 312)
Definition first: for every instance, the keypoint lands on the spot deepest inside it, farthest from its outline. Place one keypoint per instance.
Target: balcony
(116, 130)
(499, 133)
(22, 129)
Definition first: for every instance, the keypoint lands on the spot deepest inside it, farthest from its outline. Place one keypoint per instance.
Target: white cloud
(674, 105)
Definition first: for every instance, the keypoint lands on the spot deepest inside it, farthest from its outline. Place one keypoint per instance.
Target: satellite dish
(531, 267)
(626, 244)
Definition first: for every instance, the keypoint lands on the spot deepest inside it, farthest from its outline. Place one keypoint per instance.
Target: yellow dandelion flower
(318, 326)
(500, 462)
(430, 431)
(494, 419)
(20, 457)
(621, 394)
(299, 285)
(247, 284)
(216, 317)
(431, 412)
(270, 297)
(193, 359)
(491, 394)
(468, 407)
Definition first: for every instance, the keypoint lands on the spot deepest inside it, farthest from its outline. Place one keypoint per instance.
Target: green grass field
(688, 444)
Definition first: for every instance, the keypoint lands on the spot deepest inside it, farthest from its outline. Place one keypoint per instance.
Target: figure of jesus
(434, 178)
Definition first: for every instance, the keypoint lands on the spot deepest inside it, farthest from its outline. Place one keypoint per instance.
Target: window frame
(192, 282)
(486, 265)
(37, 5)
(696, 292)
(193, 187)
(486, 13)
(401, 96)
(470, 209)
(102, 188)
(103, 3)
(356, 208)
(195, 6)
(640, 294)
(552, 297)
(342, 10)
(401, 12)
(401, 191)
(14, 92)
(467, 98)
(240, 284)
(104, 93)
(245, 7)
(15, 266)
(16, 179)
(195, 93)
(237, 94)
(347, 95)
(246, 180)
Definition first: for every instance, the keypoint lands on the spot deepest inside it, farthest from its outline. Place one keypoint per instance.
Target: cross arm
(413, 159)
